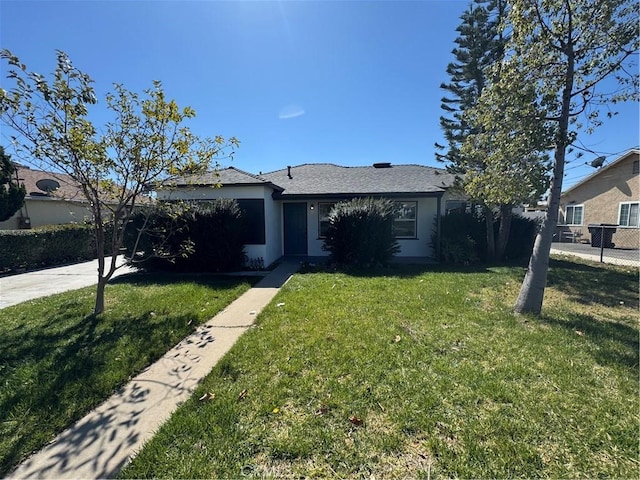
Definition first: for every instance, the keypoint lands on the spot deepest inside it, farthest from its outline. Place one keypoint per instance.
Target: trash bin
(602, 234)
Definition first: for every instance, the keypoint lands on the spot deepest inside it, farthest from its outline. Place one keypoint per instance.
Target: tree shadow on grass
(588, 285)
(617, 344)
(225, 282)
(56, 371)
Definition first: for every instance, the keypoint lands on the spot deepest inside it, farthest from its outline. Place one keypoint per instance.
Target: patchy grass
(420, 374)
(57, 361)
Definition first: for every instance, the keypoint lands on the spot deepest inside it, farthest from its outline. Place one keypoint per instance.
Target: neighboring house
(611, 195)
(52, 198)
(288, 209)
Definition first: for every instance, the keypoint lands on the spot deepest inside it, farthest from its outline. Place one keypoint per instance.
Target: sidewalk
(19, 288)
(100, 444)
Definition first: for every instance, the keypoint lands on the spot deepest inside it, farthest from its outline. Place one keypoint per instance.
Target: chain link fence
(605, 243)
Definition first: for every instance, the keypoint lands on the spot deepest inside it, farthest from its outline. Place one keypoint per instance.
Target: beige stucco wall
(47, 211)
(601, 196)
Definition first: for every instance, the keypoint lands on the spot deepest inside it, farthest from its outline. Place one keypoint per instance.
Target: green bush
(46, 246)
(360, 232)
(190, 237)
(521, 237)
(463, 238)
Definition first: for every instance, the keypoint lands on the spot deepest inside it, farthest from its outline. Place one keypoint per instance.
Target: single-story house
(52, 199)
(288, 209)
(611, 195)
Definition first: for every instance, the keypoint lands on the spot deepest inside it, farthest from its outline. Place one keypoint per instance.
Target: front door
(295, 228)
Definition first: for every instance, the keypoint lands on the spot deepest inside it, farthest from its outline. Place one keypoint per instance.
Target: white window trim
(566, 208)
(414, 221)
(620, 212)
(320, 219)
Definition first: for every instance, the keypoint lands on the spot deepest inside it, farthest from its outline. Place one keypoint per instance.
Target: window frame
(321, 220)
(414, 220)
(637, 219)
(573, 215)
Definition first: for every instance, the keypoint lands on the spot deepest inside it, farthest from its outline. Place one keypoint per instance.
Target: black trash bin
(602, 234)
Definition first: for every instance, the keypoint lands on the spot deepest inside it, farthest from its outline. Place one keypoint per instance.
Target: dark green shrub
(521, 237)
(46, 246)
(189, 237)
(360, 232)
(462, 238)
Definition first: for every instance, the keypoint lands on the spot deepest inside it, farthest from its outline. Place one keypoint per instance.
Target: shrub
(521, 237)
(463, 238)
(190, 237)
(46, 246)
(360, 232)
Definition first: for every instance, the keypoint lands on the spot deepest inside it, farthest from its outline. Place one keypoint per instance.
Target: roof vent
(289, 172)
(382, 165)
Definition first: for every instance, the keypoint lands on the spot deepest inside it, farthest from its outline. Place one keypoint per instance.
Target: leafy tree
(11, 193)
(145, 142)
(479, 46)
(549, 89)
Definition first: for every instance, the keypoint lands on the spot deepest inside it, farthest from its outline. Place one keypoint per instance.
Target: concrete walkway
(615, 256)
(100, 444)
(20, 288)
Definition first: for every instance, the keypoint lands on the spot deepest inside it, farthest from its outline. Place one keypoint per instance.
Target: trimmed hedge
(46, 246)
(361, 232)
(213, 233)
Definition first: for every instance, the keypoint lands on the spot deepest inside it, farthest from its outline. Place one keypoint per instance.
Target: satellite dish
(48, 185)
(597, 163)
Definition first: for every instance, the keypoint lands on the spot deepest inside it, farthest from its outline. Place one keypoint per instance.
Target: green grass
(57, 361)
(420, 374)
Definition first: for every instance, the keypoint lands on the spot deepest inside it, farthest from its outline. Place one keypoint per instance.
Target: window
(404, 223)
(323, 218)
(573, 214)
(635, 169)
(628, 216)
(253, 209)
(455, 206)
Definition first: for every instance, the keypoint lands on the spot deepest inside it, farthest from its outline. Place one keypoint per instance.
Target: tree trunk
(506, 214)
(491, 238)
(532, 290)
(99, 305)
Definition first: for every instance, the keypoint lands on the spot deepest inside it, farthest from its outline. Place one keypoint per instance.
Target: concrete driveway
(16, 289)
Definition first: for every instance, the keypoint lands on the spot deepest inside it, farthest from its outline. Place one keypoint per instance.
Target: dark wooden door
(295, 228)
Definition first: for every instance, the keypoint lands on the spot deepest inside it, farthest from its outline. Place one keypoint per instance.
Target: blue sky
(350, 83)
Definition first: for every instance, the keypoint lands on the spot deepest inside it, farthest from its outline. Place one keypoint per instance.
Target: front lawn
(420, 374)
(57, 362)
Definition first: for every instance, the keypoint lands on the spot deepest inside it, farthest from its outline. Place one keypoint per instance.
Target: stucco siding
(601, 197)
(271, 250)
(415, 247)
(48, 211)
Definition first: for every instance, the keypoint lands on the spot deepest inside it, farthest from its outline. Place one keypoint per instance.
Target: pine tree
(11, 193)
(479, 46)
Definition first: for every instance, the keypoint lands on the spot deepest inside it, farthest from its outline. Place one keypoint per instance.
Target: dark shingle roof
(327, 179)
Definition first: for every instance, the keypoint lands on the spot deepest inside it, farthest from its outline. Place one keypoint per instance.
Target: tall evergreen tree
(479, 46)
(11, 192)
